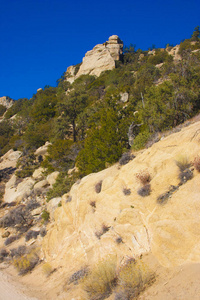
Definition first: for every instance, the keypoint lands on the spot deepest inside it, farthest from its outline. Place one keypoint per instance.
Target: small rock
(5, 234)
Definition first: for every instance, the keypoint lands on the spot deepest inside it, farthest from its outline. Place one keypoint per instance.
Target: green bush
(45, 215)
(2, 110)
(140, 140)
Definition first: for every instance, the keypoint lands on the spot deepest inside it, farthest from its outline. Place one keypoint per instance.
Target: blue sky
(41, 38)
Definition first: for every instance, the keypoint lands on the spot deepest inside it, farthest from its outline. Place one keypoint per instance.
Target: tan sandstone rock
(101, 58)
(169, 230)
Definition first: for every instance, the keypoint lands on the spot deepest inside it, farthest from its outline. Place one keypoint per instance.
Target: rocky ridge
(101, 58)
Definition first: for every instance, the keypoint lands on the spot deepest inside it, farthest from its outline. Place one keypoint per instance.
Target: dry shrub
(11, 239)
(163, 198)
(98, 187)
(126, 157)
(133, 277)
(126, 191)
(186, 175)
(196, 163)
(43, 231)
(143, 177)
(93, 204)
(3, 254)
(119, 240)
(183, 163)
(101, 281)
(144, 190)
(104, 229)
(79, 275)
(19, 251)
(27, 262)
(47, 269)
(31, 234)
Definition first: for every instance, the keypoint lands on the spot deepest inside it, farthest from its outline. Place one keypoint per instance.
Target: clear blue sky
(41, 38)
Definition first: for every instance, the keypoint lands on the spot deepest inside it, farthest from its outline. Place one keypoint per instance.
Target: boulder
(51, 178)
(124, 97)
(40, 186)
(42, 150)
(17, 193)
(52, 205)
(38, 173)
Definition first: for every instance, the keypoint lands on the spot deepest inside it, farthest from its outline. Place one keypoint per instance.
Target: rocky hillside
(101, 58)
(143, 206)
(108, 207)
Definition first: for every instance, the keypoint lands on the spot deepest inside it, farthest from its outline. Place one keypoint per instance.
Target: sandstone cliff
(101, 58)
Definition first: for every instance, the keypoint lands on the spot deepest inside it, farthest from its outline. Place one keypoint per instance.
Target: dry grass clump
(183, 163)
(132, 280)
(127, 281)
(26, 262)
(47, 269)
(100, 283)
(196, 163)
(185, 173)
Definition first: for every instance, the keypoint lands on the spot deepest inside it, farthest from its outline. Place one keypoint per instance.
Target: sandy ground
(10, 290)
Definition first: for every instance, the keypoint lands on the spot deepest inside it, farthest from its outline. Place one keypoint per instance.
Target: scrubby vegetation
(87, 123)
(126, 281)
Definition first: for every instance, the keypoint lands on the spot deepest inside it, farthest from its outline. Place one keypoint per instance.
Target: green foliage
(2, 110)
(17, 107)
(27, 164)
(62, 186)
(89, 116)
(141, 139)
(103, 144)
(196, 34)
(188, 45)
(60, 156)
(44, 104)
(45, 215)
(160, 57)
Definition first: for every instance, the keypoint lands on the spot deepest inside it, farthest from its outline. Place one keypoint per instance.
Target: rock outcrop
(6, 101)
(101, 58)
(89, 224)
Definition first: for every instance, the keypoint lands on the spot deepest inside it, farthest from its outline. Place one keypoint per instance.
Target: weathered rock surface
(51, 178)
(14, 192)
(101, 58)
(174, 52)
(169, 230)
(42, 150)
(6, 101)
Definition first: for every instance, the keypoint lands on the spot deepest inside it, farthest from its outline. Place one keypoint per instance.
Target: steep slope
(170, 230)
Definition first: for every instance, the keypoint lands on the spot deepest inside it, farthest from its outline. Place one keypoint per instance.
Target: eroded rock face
(169, 230)
(101, 58)
(6, 101)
